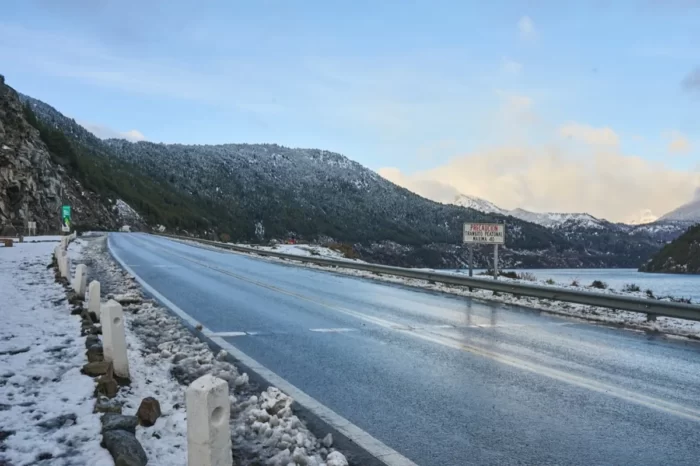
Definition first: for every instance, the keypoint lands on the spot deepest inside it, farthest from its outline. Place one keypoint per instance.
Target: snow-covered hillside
(477, 203)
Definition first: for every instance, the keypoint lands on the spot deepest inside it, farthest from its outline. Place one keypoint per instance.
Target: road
(442, 380)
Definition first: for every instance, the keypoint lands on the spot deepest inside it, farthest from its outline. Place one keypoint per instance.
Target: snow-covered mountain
(556, 219)
(689, 212)
(547, 219)
(645, 216)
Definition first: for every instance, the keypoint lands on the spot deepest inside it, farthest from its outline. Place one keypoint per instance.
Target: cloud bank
(598, 179)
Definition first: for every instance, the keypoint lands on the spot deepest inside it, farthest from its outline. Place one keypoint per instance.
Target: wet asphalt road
(443, 380)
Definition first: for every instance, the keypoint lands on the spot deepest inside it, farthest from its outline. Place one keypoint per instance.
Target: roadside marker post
(80, 280)
(94, 298)
(114, 338)
(208, 433)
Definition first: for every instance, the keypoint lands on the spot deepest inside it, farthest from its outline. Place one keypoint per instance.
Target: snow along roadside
(46, 404)
(635, 320)
(164, 357)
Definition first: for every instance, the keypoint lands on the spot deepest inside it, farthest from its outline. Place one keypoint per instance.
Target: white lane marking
(371, 445)
(332, 330)
(226, 334)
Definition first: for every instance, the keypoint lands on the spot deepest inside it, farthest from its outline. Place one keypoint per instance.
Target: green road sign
(65, 217)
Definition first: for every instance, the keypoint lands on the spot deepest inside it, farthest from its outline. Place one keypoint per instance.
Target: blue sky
(408, 85)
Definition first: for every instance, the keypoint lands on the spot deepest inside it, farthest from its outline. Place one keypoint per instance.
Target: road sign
(65, 218)
(484, 233)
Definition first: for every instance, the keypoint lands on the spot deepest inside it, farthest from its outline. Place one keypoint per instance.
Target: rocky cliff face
(32, 186)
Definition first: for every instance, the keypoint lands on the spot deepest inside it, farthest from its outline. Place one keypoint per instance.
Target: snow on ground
(37, 239)
(636, 320)
(46, 404)
(307, 250)
(164, 357)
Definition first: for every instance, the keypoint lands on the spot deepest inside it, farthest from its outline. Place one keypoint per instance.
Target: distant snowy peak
(689, 212)
(554, 219)
(477, 203)
(642, 218)
(550, 220)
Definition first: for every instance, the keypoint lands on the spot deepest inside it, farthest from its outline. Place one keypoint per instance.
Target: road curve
(442, 380)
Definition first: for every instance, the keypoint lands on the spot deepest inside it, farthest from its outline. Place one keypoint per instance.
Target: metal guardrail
(648, 306)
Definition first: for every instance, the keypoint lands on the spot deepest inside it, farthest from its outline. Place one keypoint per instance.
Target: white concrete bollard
(94, 298)
(114, 338)
(65, 266)
(208, 431)
(80, 280)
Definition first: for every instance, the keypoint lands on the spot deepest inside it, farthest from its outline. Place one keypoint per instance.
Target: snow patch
(46, 404)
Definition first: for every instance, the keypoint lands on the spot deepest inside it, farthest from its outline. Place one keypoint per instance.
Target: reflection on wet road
(442, 380)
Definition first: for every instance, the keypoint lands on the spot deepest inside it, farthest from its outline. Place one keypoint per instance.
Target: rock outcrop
(32, 185)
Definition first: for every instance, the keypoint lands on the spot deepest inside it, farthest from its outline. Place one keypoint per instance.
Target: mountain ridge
(262, 191)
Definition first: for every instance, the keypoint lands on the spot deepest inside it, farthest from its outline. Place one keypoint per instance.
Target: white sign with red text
(485, 233)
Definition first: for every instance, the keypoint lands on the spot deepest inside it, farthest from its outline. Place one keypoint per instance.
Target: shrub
(527, 276)
(550, 281)
(347, 250)
(631, 287)
(575, 283)
(650, 294)
(225, 237)
(599, 285)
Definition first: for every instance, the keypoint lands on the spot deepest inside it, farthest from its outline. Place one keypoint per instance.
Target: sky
(583, 106)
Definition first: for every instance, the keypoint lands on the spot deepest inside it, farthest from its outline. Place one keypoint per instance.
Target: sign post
(65, 218)
(484, 233)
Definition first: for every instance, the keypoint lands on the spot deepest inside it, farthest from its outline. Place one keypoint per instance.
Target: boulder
(149, 411)
(124, 448)
(113, 421)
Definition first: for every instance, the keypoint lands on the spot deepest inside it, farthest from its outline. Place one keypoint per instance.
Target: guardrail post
(80, 280)
(208, 432)
(94, 298)
(114, 339)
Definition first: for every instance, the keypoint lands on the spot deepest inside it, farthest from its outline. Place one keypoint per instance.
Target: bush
(630, 288)
(225, 237)
(599, 285)
(575, 283)
(550, 281)
(527, 276)
(650, 294)
(510, 274)
(347, 250)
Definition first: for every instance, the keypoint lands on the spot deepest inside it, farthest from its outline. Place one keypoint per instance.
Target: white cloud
(511, 66)
(589, 134)
(526, 28)
(104, 132)
(604, 183)
(678, 143)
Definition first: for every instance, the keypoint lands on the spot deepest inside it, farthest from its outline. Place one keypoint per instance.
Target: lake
(678, 286)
